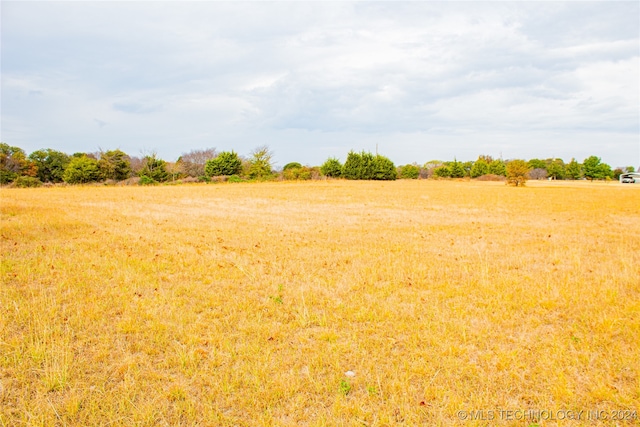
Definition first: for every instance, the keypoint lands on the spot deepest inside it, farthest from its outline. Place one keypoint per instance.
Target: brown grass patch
(246, 304)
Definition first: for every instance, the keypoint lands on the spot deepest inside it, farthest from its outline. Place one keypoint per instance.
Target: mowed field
(329, 303)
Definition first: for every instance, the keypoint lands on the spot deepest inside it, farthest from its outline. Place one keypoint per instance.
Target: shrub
(384, 169)
(367, 166)
(517, 172)
(81, 170)
(292, 165)
(27, 182)
(115, 164)
(154, 168)
(442, 172)
(50, 164)
(146, 180)
(331, 168)
(260, 163)
(456, 169)
(234, 178)
(409, 172)
(226, 163)
(301, 173)
(479, 168)
(497, 167)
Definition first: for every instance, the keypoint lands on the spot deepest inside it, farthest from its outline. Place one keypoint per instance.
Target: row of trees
(51, 166)
(591, 168)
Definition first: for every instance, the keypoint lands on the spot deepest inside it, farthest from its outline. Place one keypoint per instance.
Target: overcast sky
(421, 80)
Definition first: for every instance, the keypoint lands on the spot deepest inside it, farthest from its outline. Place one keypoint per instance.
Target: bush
(456, 169)
(331, 168)
(225, 164)
(234, 178)
(260, 163)
(384, 169)
(302, 173)
(81, 170)
(145, 180)
(442, 172)
(497, 167)
(292, 165)
(115, 164)
(27, 182)
(367, 166)
(517, 172)
(154, 168)
(50, 164)
(409, 172)
(479, 168)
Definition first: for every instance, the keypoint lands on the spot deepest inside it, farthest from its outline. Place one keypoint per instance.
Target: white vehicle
(630, 178)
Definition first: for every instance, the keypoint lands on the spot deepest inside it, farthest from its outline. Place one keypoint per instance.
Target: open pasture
(329, 303)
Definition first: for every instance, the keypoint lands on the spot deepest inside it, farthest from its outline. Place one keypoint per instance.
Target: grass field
(327, 303)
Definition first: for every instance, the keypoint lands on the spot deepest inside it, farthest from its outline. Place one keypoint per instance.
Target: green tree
(115, 164)
(357, 165)
(365, 165)
(497, 167)
(556, 169)
(81, 170)
(573, 170)
(517, 172)
(154, 168)
(467, 168)
(537, 164)
(384, 169)
(593, 168)
(331, 168)
(442, 171)
(409, 171)
(480, 167)
(51, 164)
(14, 163)
(226, 163)
(456, 169)
(260, 163)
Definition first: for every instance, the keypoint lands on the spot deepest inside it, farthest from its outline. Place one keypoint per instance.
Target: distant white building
(630, 178)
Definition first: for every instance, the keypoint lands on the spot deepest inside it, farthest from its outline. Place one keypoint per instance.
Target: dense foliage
(517, 172)
(365, 165)
(332, 168)
(226, 163)
(48, 166)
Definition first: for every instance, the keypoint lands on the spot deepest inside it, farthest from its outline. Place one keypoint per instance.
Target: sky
(414, 81)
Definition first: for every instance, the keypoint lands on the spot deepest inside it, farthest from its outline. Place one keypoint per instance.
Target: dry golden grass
(246, 304)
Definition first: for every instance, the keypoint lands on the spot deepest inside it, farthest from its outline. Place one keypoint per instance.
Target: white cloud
(319, 78)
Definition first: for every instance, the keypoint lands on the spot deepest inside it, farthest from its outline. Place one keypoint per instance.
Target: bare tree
(194, 161)
(538, 173)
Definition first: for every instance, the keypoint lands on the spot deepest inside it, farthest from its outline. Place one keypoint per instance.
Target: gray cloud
(317, 79)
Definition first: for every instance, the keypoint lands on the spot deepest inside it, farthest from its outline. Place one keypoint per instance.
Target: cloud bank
(422, 80)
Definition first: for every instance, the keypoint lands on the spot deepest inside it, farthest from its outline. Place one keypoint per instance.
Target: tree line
(48, 166)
